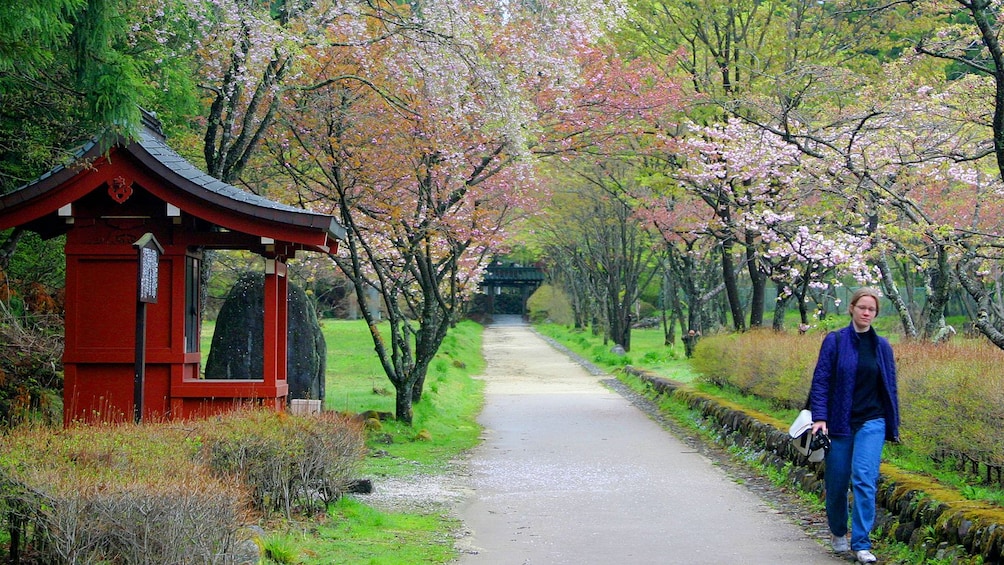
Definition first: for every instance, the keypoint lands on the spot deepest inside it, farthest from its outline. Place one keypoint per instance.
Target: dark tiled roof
(512, 275)
(152, 150)
(225, 194)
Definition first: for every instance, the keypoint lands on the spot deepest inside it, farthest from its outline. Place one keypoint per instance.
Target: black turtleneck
(867, 403)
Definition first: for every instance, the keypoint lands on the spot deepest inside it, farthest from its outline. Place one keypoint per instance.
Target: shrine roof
(151, 150)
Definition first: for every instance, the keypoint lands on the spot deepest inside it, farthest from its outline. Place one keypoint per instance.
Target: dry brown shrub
(117, 494)
(951, 394)
(38, 300)
(952, 397)
(771, 365)
(289, 463)
(6, 292)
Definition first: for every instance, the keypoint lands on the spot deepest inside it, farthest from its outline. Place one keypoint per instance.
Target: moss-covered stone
(237, 350)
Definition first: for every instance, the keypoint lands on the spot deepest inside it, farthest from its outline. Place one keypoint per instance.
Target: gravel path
(612, 487)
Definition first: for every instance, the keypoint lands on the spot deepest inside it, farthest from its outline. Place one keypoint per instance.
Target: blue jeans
(854, 462)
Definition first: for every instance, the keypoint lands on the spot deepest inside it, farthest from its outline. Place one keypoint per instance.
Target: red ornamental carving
(120, 190)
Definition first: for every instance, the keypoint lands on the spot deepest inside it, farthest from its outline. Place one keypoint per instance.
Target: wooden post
(147, 274)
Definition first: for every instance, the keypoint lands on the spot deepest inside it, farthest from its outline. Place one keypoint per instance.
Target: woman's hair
(864, 291)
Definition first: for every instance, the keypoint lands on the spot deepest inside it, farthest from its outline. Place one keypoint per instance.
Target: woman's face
(863, 312)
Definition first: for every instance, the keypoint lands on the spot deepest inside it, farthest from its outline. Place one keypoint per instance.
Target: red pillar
(275, 323)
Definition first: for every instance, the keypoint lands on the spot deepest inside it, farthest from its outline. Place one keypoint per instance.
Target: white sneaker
(839, 543)
(865, 556)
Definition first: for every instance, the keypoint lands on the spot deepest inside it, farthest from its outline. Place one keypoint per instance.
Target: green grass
(446, 415)
(444, 426)
(357, 533)
(356, 380)
(647, 350)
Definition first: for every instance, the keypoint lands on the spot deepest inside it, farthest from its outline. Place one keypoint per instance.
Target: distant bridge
(508, 286)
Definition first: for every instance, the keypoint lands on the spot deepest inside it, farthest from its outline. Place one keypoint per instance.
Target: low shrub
(717, 357)
(167, 492)
(288, 463)
(952, 398)
(124, 494)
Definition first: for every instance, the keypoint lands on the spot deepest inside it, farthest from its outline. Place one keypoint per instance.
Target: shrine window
(193, 317)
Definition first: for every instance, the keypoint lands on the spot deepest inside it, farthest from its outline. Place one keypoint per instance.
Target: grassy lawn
(444, 426)
(647, 350)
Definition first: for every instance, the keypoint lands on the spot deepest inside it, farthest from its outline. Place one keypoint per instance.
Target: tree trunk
(939, 289)
(758, 281)
(402, 403)
(780, 306)
(983, 320)
(892, 293)
(732, 287)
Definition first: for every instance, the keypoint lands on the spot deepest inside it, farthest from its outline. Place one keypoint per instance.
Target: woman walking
(854, 401)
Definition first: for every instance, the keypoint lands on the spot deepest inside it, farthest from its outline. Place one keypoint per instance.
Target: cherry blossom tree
(741, 174)
(878, 151)
(690, 260)
(428, 162)
(954, 41)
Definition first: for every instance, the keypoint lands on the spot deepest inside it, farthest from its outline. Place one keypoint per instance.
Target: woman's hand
(820, 425)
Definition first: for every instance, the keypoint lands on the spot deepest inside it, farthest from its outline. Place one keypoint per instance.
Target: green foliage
(39, 261)
(31, 32)
(69, 69)
(37, 129)
(550, 304)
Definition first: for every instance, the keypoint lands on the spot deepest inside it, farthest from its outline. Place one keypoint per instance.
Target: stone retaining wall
(911, 509)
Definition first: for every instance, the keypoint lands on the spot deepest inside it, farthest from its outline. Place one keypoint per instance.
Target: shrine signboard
(148, 271)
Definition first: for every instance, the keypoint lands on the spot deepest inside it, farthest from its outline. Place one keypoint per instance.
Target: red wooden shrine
(112, 195)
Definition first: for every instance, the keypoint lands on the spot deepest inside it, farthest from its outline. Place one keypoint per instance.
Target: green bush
(549, 303)
(646, 310)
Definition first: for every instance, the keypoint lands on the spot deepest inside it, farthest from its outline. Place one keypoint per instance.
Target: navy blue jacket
(834, 406)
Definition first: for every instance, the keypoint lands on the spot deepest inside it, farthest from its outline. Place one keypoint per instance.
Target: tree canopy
(725, 159)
